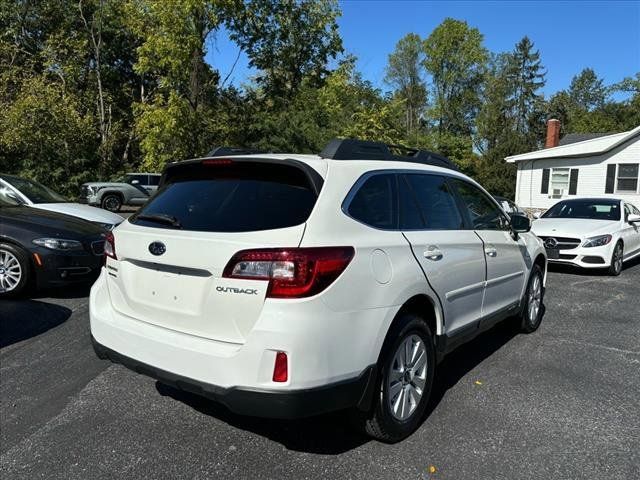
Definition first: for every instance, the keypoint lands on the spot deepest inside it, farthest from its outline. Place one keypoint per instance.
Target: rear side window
(436, 201)
(374, 203)
(142, 179)
(243, 197)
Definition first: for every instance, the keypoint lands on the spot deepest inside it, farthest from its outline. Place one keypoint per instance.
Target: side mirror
(520, 224)
(135, 182)
(633, 218)
(536, 215)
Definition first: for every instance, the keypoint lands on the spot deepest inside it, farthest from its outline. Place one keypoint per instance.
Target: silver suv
(132, 189)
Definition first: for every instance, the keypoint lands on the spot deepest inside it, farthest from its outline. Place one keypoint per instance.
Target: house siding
(591, 178)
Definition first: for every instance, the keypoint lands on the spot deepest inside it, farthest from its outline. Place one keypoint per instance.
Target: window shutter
(573, 181)
(611, 178)
(545, 180)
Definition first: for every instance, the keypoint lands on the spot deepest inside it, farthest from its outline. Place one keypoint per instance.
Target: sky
(571, 35)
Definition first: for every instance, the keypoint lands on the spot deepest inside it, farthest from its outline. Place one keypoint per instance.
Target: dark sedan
(41, 248)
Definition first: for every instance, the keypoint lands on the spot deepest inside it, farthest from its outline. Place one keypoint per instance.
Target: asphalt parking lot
(561, 403)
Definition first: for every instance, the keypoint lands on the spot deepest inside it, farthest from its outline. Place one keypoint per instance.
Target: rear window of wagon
(234, 197)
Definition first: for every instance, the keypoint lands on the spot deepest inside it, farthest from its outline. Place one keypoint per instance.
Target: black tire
(617, 256)
(111, 202)
(9, 251)
(380, 422)
(530, 318)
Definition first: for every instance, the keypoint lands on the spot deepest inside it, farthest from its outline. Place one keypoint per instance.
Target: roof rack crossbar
(354, 149)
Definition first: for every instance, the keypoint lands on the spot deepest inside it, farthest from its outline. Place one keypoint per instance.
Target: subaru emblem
(157, 248)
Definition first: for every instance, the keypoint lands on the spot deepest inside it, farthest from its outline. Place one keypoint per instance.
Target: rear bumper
(326, 371)
(287, 404)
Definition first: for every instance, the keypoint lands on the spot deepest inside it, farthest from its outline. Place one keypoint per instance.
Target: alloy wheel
(112, 204)
(617, 258)
(10, 271)
(535, 299)
(407, 377)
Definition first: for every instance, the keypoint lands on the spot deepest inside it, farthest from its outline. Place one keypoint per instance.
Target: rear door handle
(433, 253)
(490, 250)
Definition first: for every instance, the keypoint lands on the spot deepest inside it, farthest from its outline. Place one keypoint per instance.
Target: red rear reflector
(217, 161)
(110, 245)
(280, 369)
(291, 272)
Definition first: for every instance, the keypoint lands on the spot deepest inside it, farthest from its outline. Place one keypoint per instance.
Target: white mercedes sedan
(590, 232)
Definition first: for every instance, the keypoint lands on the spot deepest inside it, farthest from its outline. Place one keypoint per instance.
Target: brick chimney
(553, 133)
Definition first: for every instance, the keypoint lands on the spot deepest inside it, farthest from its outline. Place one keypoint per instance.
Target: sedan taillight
(291, 272)
(110, 245)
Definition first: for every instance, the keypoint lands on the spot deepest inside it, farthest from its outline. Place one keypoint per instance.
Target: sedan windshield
(34, 191)
(585, 208)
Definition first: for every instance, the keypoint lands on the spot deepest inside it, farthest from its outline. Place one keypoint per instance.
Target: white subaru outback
(286, 286)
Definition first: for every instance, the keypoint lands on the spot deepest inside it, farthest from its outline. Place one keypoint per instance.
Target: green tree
(404, 73)
(526, 76)
(455, 60)
(587, 105)
(587, 90)
(49, 44)
(174, 110)
(288, 41)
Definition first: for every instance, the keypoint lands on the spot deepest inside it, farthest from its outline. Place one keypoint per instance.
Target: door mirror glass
(633, 218)
(520, 224)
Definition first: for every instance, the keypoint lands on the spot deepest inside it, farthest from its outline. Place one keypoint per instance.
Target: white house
(604, 166)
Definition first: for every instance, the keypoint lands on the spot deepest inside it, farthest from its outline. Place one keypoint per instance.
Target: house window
(559, 182)
(627, 179)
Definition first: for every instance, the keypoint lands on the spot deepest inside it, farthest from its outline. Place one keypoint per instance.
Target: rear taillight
(110, 245)
(291, 272)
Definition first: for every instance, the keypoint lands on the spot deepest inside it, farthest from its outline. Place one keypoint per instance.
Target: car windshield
(587, 209)
(34, 191)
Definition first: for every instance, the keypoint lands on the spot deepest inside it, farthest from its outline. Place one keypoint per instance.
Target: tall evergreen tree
(527, 76)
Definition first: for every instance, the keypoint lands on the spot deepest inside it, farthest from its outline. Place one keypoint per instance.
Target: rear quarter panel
(383, 274)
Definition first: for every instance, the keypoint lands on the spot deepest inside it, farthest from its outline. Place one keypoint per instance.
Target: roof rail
(354, 149)
(225, 151)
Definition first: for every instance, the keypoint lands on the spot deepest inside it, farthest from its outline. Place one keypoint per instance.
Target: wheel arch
(421, 305)
(113, 192)
(425, 307)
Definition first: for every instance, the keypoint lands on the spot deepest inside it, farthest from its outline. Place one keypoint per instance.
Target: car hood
(52, 224)
(572, 227)
(86, 212)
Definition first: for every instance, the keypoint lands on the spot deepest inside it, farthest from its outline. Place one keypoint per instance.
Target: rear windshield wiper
(161, 218)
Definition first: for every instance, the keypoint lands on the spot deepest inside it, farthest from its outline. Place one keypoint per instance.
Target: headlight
(58, 244)
(598, 241)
